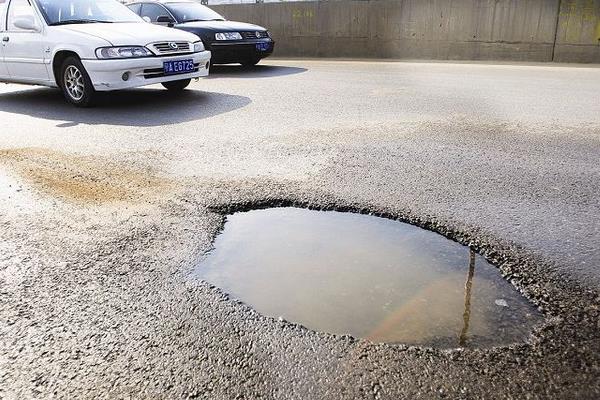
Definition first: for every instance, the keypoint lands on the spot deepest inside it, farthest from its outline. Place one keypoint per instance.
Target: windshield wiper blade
(202, 20)
(79, 21)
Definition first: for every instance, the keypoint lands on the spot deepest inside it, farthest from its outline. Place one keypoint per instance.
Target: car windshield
(187, 12)
(63, 12)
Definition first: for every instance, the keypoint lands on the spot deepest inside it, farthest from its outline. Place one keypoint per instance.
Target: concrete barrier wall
(578, 34)
(524, 30)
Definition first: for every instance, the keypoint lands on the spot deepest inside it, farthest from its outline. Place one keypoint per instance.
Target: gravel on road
(105, 212)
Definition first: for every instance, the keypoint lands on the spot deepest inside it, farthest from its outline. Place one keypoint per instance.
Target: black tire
(176, 86)
(76, 84)
(250, 63)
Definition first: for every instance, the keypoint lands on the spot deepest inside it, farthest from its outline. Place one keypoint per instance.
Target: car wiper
(202, 20)
(79, 21)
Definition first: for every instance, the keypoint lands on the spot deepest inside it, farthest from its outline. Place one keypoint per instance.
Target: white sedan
(85, 46)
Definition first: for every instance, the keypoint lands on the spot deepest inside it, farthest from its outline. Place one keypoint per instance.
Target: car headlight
(228, 36)
(198, 46)
(122, 52)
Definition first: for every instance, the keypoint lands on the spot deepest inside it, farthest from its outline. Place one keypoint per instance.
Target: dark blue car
(228, 41)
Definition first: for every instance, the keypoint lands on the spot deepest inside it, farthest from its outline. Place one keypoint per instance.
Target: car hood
(132, 34)
(220, 26)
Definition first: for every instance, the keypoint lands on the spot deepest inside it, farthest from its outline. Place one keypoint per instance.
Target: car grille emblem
(173, 46)
(258, 34)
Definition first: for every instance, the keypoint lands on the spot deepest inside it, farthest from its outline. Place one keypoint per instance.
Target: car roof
(162, 1)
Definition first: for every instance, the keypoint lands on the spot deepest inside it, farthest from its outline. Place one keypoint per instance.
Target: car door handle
(5, 39)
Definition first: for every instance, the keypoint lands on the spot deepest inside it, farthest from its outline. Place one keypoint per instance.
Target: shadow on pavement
(258, 71)
(137, 107)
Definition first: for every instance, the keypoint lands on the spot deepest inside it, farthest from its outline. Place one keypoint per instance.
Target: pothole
(366, 276)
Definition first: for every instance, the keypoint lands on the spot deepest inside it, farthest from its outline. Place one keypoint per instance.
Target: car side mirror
(26, 22)
(165, 19)
(147, 19)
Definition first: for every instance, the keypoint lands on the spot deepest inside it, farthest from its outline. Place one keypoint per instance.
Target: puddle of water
(369, 277)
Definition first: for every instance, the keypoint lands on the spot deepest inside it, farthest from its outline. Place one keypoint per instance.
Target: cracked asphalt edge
(197, 319)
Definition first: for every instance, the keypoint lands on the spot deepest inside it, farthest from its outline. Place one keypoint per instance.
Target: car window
(185, 12)
(135, 8)
(18, 9)
(3, 15)
(153, 11)
(60, 12)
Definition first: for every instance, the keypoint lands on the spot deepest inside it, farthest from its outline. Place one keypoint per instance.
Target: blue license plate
(263, 46)
(178, 67)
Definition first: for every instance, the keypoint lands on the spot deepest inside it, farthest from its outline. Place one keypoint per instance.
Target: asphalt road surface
(105, 212)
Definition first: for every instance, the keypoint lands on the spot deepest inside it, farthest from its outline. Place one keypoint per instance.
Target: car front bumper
(235, 52)
(108, 75)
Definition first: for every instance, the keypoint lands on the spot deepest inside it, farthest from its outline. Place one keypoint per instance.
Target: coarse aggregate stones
(102, 225)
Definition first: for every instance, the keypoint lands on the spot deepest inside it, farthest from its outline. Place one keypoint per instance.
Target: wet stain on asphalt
(366, 276)
(82, 179)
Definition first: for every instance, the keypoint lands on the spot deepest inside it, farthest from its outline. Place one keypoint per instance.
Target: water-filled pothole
(366, 276)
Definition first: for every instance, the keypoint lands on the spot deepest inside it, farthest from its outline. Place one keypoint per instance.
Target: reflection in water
(365, 276)
(468, 285)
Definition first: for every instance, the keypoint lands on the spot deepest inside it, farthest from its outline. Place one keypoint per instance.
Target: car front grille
(171, 47)
(254, 35)
(159, 72)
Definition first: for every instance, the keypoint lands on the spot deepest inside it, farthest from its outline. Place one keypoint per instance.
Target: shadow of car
(137, 107)
(259, 71)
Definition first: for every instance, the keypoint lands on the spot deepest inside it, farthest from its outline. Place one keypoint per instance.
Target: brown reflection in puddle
(366, 276)
(468, 287)
(82, 179)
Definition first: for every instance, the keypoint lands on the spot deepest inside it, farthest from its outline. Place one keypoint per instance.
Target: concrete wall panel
(523, 30)
(578, 36)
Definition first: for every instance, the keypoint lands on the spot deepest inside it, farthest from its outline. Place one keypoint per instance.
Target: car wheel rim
(74, 82)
